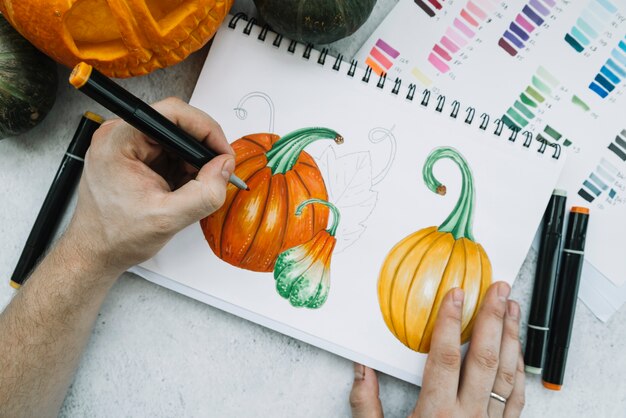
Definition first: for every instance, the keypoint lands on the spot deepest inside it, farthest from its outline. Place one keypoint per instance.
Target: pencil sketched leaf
(349, 183)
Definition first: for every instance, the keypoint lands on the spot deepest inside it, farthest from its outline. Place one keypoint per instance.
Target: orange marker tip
(551, 386)
(94, 117)
(580, 209)
(80, 74)
(14, 285)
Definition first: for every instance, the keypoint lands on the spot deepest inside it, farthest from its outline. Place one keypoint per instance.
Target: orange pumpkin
(253, 227)
(420, 270)
(121, 38)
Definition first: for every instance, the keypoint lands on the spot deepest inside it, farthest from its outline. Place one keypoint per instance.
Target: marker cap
(577, 229)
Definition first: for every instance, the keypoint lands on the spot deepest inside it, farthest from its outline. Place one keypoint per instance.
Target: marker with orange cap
(565, 298)
(144, 118)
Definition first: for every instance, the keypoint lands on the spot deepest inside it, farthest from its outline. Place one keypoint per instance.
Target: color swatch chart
(612, 73)
(524, 109)
(520, 30)
(463, 29)
(595, 17)
(430, 7)
(381, 57)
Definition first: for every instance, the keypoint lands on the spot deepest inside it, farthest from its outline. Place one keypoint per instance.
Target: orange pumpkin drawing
(253, 227)
(121, 38)
(420, 270)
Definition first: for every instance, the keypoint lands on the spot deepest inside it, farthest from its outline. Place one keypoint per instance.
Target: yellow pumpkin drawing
(420, 270)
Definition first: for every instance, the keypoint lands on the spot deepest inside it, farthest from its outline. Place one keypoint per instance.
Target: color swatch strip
(604, 177)
(541, 86)
(550, 134)
(599, 181)
(381, 57)
(520, 29)
(464, 28)
(596, 15)
(430, 7)
(612, 73)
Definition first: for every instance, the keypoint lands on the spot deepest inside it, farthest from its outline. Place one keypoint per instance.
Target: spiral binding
(469, 114)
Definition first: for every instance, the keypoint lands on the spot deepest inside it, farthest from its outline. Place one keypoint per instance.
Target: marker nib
(247, 189)
(237, 182)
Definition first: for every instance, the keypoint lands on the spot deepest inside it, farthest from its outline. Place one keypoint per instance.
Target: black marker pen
(545, 279)
(565, 298)
(56, 199)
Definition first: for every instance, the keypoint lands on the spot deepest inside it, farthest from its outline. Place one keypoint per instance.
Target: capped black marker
(545, 280)
(565, 298)
(144, 118)
(57, 198)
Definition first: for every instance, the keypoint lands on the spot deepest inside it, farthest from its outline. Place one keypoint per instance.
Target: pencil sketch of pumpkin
(420, 270)
(350, 181)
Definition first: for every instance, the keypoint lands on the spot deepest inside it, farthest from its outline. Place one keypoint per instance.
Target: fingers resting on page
(451, 386)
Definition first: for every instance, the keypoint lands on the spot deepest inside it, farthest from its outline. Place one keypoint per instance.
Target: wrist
(83, 255)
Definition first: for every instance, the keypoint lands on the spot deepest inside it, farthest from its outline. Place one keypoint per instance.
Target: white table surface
(159, 354)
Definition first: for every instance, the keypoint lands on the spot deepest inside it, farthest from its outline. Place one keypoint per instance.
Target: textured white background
(157, 353)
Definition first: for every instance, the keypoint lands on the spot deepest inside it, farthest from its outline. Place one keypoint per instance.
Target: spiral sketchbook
(370, 199)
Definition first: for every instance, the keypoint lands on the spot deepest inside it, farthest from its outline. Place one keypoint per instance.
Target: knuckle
(487, 359)
(162, 223)
(507, 376)
(173, 101)
(511, 334)
(357, 398)
(495, 312)
(213, 197)
(448, 358)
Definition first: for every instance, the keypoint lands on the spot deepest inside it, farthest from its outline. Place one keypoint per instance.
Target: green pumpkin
(28, 83)
(315, 21)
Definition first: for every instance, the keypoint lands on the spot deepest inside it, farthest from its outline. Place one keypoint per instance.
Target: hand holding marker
(144, 118)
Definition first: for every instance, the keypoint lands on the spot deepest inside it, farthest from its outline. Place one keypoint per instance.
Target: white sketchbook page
(512, 185)
(483, 74)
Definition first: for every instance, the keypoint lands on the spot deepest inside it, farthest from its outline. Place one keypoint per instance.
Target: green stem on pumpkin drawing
(286, 151)
(459, 222)
(336, 215)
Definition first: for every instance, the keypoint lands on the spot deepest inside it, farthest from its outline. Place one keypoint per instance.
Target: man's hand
(134, 196)
(450, 389)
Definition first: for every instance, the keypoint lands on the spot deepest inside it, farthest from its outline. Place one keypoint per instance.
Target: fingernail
(359, 371)
(457, 297)
(504, 290)
(513, 309)
(228, 168)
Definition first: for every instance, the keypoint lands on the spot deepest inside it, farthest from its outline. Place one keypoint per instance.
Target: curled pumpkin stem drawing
(376, 136)
(302, 273)
(420, 270)
(242, 113)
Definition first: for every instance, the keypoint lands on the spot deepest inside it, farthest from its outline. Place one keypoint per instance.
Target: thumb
(364, 400)
(204, 195)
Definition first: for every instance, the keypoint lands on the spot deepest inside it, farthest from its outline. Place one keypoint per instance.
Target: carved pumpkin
(420, 270)
(253, 227)
(121, 38)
